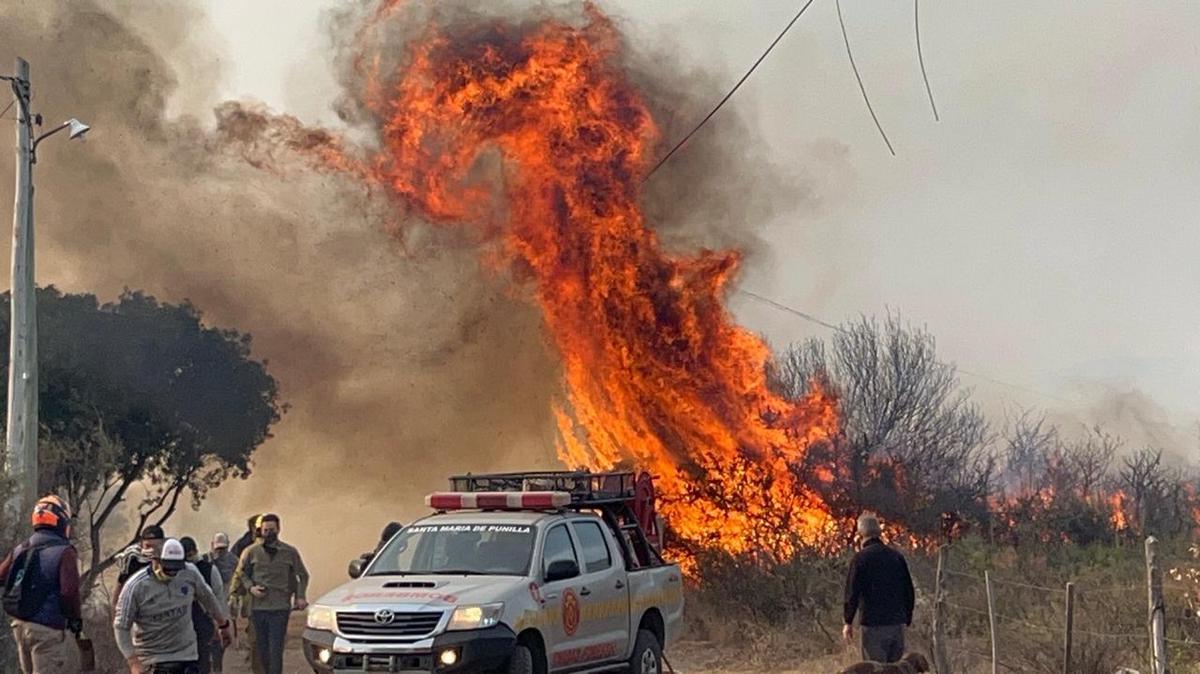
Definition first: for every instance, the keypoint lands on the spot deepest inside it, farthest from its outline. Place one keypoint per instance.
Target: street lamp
(77, 128)
(21, 423)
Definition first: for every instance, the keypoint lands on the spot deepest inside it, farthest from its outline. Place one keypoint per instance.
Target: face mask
(163, 575)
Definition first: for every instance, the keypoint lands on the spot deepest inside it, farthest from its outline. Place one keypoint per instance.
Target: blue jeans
(270, 631)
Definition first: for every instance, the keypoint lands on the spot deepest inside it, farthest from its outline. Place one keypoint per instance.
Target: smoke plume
(402, 360)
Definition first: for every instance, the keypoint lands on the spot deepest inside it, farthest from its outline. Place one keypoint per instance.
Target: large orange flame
(535, 131)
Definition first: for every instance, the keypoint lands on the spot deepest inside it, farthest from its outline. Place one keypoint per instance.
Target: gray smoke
(399, 368)
(402, 361)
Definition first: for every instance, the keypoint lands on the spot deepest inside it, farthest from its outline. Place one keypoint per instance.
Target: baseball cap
(220, 540)
(152, 533)
(172, 556)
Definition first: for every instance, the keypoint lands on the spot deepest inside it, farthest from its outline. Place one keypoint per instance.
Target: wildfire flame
(656, 372)
(1118, 502)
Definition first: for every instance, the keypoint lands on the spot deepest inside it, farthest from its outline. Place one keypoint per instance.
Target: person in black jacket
(880, 590)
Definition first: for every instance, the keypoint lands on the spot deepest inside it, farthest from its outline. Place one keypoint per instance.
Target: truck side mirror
(357, 565)
(562, 569)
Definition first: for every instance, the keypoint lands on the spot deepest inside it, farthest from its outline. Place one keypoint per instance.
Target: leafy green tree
(141, 403)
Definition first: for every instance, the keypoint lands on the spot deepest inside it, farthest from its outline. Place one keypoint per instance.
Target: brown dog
(911, 663)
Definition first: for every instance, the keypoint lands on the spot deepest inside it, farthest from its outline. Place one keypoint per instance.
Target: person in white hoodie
(153, 622)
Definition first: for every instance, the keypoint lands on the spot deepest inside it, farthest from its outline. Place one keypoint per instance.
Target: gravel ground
(687, 658)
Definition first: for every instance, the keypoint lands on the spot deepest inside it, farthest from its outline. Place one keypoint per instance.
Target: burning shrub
(912, 446)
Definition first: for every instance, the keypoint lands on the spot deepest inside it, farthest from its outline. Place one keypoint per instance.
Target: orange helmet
(51, 512)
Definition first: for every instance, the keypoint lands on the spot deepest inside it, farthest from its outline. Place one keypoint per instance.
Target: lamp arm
(49, 133)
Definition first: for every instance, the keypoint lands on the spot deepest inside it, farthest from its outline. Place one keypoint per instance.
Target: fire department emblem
(570, 612)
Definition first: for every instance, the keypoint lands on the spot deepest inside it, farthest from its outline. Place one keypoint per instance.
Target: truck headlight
(475, 617)
(321, 618)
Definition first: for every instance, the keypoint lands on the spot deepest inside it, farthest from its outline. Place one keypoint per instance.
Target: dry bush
(742, 617)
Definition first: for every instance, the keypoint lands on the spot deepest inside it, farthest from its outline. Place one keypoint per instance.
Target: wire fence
(1111, 620)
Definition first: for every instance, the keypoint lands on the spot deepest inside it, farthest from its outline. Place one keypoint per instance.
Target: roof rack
(585, 488)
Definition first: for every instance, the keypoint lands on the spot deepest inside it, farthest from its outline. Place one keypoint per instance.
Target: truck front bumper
(475, 652)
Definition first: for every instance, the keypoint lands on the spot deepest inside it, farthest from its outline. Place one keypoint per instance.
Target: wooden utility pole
(1070, 628)
(991, 597)
(941, 663)
(21, 457)
(1158, 609)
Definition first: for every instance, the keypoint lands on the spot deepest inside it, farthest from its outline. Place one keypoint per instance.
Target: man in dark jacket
(49, 598)
(879, 584)
(247, 539)
(390, 530)
(207, 642)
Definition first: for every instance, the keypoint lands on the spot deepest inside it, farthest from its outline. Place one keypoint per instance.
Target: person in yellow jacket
(272, 578)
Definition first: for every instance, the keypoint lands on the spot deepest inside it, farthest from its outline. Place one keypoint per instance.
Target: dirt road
(238, 661)
(688, 658)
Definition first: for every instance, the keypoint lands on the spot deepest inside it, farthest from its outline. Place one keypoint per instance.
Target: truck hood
(422, 592)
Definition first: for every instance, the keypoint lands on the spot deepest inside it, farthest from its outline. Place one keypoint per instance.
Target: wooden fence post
(1158, 610)
(991, 597)
(941, 663)
(1070, 628)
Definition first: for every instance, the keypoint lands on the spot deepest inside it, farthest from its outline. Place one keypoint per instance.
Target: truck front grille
(388, 625)
(384, 663)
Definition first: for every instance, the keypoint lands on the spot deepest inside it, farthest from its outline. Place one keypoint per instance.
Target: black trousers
(882, 643)
(205, 635)
(270, 629)
(174, 668)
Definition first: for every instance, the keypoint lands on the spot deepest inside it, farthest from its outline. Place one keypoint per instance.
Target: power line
(921, 58)
(729, 95)
(837, 328)
(858, 77)
(785, 308)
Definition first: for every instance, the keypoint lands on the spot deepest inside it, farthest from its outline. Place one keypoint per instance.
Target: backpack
(25, 590)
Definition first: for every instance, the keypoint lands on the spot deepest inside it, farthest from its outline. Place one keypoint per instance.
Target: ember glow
(534, 132)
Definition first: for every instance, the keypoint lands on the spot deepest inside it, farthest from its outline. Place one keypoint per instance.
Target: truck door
(604, 595)
(561, 598)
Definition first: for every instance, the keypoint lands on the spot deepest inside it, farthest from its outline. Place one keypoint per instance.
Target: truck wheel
(647, 654)
(521, 661)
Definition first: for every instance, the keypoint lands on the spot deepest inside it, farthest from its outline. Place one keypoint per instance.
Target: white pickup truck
(525, 573)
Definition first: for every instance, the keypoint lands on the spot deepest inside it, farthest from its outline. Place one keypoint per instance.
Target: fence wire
(1093, 604)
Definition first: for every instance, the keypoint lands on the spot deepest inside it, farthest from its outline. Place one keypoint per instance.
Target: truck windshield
(454, 549)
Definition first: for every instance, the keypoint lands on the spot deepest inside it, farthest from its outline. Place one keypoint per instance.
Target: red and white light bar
(497, 500)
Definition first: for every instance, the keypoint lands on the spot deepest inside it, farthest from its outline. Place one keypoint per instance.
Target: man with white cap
(220, 557)
(225, 563)
(153, 623)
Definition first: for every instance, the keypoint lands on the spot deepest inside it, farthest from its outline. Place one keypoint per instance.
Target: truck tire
(647, 654)
(521, 661)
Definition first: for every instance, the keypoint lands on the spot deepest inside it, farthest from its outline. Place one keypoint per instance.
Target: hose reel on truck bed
(624, 499)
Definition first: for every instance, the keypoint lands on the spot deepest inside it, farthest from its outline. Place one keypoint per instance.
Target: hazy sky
(1045, 230)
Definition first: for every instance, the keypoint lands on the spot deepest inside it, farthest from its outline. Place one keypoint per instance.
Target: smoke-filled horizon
(406, 362)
